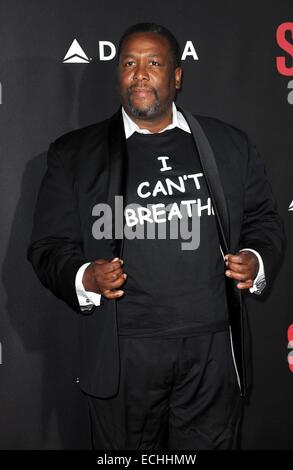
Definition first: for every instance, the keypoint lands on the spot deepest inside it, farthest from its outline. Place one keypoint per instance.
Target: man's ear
(178, 77)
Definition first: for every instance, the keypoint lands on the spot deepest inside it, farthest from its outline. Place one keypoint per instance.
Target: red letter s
(286, 46)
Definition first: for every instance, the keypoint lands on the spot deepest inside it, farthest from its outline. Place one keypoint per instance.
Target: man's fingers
(235, 275)
(113, 275)
(245, 285)
(112, 266)
(109, 294)
(117, 283)
(239, 259)
(112, 284)
(108, 277)
(237, 267)
(105, 266)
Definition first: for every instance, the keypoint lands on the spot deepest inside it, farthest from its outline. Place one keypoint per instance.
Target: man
(164, 351)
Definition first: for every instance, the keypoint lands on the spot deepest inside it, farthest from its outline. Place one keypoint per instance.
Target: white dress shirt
(87, 299)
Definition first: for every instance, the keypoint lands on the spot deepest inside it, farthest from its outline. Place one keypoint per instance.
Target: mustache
(136, 87)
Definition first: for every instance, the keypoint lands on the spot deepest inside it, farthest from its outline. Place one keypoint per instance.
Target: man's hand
(243, 266)
(105, 277)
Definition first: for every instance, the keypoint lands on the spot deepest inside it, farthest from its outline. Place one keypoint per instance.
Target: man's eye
(129, 63)
(154, 62)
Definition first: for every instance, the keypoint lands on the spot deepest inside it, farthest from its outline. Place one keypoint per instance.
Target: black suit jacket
(86, 167)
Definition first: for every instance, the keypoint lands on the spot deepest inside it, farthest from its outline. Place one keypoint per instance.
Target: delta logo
(75, 55)
(107, 51)
(284, 63)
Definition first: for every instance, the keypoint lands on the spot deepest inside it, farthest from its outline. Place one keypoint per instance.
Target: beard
(146, 112)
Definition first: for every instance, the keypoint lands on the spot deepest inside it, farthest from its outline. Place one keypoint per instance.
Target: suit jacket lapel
(117, 177)
(212, 177)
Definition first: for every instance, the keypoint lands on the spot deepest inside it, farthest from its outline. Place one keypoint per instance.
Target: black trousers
(174, 393)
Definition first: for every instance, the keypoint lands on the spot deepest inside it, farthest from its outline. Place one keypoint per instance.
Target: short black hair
(153, 28)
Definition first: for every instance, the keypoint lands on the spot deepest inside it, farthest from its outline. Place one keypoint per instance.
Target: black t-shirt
(169, 290)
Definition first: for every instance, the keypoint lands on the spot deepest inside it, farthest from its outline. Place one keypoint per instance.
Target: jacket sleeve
(55, 249)
(262, 227)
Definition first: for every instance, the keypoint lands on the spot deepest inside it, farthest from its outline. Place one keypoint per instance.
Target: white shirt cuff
(86, 299)
(259, 282)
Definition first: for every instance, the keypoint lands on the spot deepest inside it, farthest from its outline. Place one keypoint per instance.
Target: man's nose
(141, 72)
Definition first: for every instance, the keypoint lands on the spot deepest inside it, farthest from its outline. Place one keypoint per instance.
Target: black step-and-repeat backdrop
(57, 73)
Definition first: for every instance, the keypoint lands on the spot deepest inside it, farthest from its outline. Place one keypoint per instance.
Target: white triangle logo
(291, 206)
(75, 55)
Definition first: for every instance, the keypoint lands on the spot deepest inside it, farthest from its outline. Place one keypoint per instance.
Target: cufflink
(259, 287)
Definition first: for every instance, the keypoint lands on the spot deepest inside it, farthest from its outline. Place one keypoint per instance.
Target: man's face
(148, 78)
